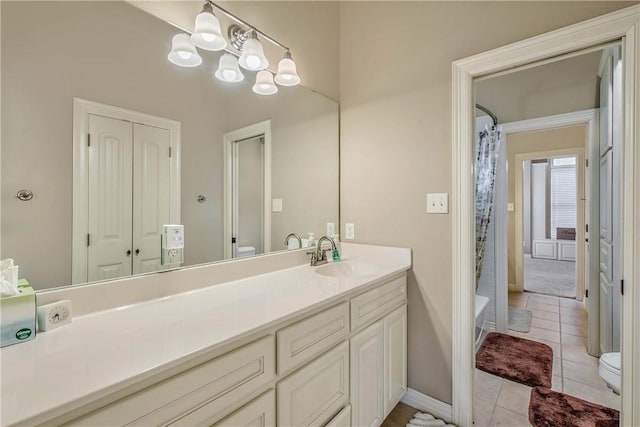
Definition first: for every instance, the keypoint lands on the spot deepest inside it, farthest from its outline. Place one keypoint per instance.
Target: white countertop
(104, 352)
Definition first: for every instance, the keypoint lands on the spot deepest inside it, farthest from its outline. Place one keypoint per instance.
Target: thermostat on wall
(51, 316)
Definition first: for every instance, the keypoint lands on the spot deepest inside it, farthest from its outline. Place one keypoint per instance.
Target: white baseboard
(426, 403)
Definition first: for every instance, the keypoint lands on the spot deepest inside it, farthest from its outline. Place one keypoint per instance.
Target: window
(563, 194)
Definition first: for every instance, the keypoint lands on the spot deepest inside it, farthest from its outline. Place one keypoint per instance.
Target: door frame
(623, 24)
(580, 214)
(257, 129)
(82, 108)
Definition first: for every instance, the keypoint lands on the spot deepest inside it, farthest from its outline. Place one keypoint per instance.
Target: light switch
(438, 203)
(331, 229)
(509, 207)
(350, 231)
(276, 205)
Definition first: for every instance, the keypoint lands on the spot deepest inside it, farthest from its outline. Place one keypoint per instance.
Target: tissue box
(18, 316)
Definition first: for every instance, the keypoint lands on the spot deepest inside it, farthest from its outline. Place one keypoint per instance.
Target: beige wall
(530, 142)
(395, 95)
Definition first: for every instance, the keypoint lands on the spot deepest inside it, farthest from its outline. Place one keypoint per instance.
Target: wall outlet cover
(54, 315)
(331, 229)
(350, 231)
(276, 205)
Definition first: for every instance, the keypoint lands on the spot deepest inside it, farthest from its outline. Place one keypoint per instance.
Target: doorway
(247, 184)
(581, 36)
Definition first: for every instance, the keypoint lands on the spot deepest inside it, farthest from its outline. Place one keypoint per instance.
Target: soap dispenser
(311, 240)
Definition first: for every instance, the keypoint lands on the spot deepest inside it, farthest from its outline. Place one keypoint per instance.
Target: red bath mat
(548, 408)
(517, 359)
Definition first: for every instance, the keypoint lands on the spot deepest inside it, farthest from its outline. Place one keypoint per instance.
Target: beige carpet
(550, 277)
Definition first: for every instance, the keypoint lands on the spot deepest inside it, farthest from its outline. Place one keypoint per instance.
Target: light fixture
(287, 73)
(228, 70)
(207, 34)
(245, 51)
(252, 57)
(264, 83)
(183, 52)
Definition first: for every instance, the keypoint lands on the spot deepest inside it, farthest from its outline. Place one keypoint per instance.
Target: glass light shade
(207, 34)
(287, 74)
(183, 52)
(252, 57)
(264, 83)
(228, 70)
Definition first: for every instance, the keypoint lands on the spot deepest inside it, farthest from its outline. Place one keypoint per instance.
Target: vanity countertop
(105, 352)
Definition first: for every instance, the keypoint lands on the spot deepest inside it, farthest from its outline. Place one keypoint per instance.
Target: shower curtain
(487, 149)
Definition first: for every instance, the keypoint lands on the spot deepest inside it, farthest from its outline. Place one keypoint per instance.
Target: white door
(395, 360)
(248, 194)
(367, 377)
(151, 195)
(110, 195)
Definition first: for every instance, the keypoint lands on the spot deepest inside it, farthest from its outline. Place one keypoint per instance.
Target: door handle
(137, 251)
(128, 252)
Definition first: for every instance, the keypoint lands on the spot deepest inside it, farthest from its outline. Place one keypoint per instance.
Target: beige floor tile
(578, 353)
(556, 383)
(592, 394)
(483, 413)
(553, 308)
(544, 315)
(518, 304)
(557, 367)
(505, 417)
(515, 397)
(582, 373)
(546, 299)
(487, 386)
(573, 339)
(568, 328)
(552, 325)
(570, 302)
(544, 334)
(574, 319)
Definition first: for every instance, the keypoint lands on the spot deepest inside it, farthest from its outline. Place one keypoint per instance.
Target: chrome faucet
(319, 256)
(290, 235)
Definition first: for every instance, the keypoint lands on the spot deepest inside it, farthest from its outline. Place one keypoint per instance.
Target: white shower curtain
(487, 149)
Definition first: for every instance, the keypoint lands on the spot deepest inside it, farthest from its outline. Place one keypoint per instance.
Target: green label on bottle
(23, 333)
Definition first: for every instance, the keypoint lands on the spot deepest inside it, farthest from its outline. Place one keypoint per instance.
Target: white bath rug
(424, 419)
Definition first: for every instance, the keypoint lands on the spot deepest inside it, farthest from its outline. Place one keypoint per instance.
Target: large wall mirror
(113, 142)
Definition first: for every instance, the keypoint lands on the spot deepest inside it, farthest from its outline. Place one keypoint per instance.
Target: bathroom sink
(352, 269)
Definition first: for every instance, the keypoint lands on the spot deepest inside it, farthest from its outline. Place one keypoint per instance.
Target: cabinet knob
(128, 252)
(137, 251)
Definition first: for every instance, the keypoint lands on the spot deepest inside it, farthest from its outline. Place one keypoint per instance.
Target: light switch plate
(350, 231)
(331, 229)
(438, 203)
(509, 207)
(276, 205)
(54, 315)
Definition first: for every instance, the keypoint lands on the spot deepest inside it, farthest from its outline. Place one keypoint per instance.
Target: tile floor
(560, 323)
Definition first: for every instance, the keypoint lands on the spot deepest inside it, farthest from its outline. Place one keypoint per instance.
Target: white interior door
(151, 195)
(248, 194)
(110, 198)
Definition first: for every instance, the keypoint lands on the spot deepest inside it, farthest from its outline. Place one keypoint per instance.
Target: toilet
(246, 251)
(609, 370)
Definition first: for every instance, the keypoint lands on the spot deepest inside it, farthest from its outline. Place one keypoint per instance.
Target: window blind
(563, 198)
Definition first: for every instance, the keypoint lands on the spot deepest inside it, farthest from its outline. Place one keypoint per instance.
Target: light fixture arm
(250, 27)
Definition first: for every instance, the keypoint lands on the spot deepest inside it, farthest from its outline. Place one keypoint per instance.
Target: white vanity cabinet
(340, 365)
(379, 368)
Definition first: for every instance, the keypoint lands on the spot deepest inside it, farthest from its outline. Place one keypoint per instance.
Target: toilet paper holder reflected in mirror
(25, 195)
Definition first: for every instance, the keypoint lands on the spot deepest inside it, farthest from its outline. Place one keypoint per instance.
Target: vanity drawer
(310, 337)
(221, 382)
(343, 419)
(374, 304)
(313, 394)
(260, 412)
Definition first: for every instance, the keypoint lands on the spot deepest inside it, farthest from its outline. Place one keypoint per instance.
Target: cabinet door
(314, 393)
(343, 419)
(367, 376)
(395, 358)
(260, 412)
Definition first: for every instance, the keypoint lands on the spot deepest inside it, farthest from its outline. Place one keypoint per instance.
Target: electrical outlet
(438, 203)
(350, 231)
(276, 205)
(331, 229)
